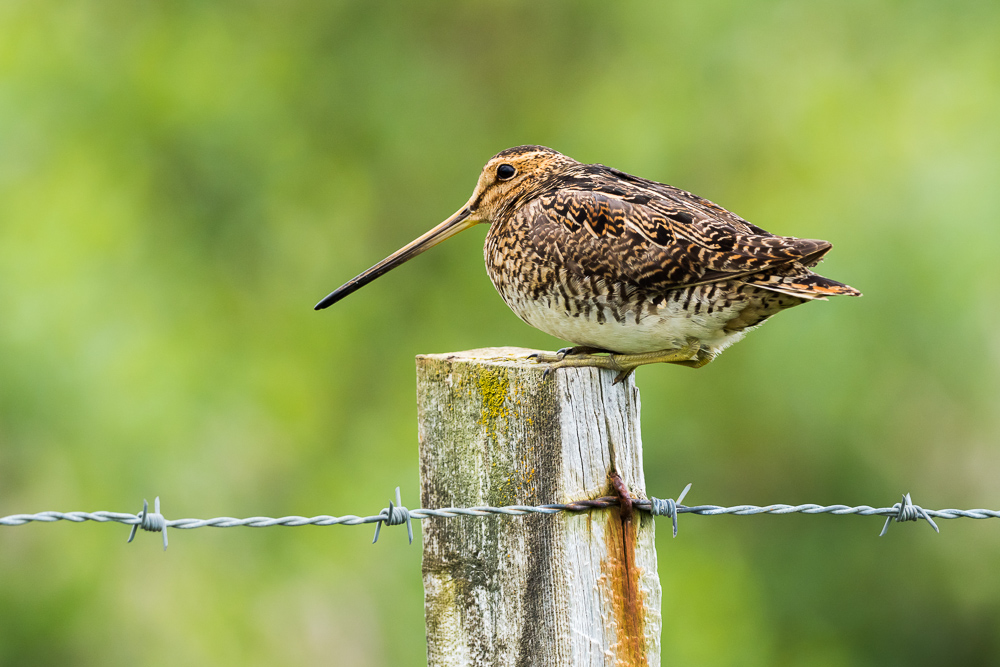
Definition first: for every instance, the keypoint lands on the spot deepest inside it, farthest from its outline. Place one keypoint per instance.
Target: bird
(630, 271)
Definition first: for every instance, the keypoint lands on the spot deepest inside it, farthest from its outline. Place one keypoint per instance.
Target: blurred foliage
(180, 182)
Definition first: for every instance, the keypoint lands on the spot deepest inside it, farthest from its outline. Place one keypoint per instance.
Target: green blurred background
(180, 182)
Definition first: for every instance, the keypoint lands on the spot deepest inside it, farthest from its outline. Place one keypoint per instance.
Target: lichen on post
(565, 589)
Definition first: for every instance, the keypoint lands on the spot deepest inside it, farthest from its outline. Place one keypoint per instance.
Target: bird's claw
(622, 376)
(549, 357)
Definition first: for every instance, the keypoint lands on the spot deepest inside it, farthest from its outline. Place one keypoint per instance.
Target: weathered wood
(567, 589)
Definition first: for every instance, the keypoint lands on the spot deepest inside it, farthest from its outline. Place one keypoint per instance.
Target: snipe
(630, 271)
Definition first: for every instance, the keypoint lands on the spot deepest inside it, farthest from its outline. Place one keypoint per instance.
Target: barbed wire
(396, 514)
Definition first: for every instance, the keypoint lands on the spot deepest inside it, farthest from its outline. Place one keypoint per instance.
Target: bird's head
(508, 179)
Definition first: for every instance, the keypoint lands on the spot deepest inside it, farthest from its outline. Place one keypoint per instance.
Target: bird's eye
(505, 172)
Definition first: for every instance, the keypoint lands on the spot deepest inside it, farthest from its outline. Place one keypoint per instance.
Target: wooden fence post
(566, 589)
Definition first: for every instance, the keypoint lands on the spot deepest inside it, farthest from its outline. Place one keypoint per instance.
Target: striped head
(511, 177)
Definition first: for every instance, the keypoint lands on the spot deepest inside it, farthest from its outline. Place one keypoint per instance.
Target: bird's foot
(563, 352)
(625, 364)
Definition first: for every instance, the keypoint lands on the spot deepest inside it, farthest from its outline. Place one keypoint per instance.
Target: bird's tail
(803, 285)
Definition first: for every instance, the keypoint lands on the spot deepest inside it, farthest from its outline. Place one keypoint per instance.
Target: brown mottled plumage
(620, 264)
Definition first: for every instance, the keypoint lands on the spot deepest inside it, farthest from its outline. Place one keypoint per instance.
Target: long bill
(453, 225)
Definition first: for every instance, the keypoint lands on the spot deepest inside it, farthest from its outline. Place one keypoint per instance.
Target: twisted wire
(396, 514)
(483, 511)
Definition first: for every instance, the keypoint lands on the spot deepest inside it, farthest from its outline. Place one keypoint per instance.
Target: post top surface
(511, 357)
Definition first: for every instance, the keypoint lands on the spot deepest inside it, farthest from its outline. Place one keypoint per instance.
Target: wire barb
(907, 511)
(668, 507)
(153, 521)
(394, 516)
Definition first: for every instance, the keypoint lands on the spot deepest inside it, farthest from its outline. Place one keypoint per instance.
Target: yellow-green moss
(494, 386)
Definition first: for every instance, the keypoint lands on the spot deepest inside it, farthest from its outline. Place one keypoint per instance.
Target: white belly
(667, 326)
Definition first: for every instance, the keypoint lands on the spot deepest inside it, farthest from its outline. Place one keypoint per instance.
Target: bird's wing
(682, 200)
(660, 243)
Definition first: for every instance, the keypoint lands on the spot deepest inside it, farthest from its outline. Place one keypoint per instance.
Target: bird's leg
(558, 355)
(626, 363)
